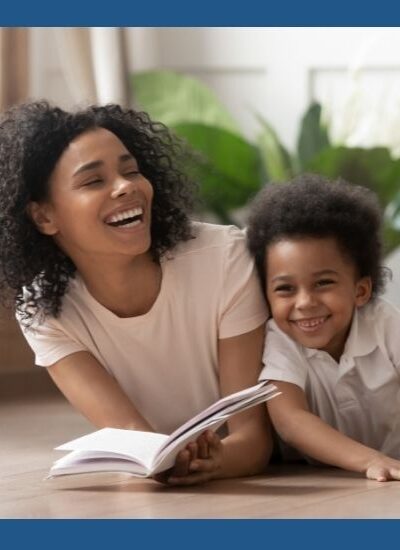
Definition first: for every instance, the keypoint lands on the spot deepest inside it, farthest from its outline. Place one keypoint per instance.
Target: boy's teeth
(310, 323)
(132, 213)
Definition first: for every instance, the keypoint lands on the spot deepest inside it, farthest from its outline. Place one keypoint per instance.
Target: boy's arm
(305, 431)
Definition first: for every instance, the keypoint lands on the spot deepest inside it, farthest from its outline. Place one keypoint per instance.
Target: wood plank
(29, 431)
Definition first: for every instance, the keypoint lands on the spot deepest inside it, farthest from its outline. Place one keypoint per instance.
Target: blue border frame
(199, 534)
(189, 534)
(215, 13)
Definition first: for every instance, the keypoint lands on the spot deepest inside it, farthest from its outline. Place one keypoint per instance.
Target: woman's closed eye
(94, 181)
(131, 173)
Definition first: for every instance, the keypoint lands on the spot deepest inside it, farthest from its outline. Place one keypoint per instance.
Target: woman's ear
(363, 291)
(41, 215)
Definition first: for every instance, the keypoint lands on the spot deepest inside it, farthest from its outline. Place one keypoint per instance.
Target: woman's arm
(247, 448)
(305, 431)
(95, 393)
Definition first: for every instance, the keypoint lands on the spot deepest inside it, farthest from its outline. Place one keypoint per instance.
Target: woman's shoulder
(210, 234)
(207, 236)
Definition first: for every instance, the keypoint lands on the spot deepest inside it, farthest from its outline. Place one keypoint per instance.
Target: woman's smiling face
(313, 288)
(99, 203)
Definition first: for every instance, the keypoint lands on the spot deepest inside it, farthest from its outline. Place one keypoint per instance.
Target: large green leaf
(373, 168)
(392, 223)
(230, 168)
(173, 98)
(313, 137)
(275, 158)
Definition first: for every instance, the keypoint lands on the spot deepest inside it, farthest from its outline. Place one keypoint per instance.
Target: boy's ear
(363, 291)
(41, 215)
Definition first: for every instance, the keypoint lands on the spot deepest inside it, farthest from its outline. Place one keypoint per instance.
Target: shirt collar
(361, 340)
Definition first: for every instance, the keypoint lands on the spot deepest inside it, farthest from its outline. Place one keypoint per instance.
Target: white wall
(273, 71)
(276, 72)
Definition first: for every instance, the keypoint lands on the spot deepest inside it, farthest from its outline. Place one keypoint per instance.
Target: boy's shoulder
(379, 311)
(377, 324)
(278, 341)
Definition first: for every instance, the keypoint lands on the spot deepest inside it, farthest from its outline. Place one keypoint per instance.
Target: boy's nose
(122, 186)
(305, 299)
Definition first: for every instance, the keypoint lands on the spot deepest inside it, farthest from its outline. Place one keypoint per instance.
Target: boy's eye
(325, 282)
(284, 288)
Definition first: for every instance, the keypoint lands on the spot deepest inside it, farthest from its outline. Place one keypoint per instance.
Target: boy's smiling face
(313, 288)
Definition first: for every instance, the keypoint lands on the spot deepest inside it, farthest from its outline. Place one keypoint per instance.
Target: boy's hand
(199, 462)
(383, 468)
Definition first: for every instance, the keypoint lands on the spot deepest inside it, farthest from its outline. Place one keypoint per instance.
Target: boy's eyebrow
(281, 278)
(97, 163)
(325, 272)
(315, 274)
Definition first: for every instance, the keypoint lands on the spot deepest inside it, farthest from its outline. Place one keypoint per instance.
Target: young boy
(332, 347)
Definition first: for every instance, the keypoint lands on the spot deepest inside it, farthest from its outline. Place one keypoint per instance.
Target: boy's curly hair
(34, 272)
(313, 206)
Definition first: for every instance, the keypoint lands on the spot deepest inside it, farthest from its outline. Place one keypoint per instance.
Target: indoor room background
(259, 104)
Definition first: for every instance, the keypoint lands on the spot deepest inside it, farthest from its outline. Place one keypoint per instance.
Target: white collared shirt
(360, 395)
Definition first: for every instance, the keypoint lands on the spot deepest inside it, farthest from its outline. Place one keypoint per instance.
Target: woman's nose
(123, 186)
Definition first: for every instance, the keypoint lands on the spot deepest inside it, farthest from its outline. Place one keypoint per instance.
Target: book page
(156, 452)
(142, 447)
(78, 465)
(166, 458)
(220, 413)
(229, 404)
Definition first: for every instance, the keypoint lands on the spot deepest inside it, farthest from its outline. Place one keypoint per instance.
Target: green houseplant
(233, 169)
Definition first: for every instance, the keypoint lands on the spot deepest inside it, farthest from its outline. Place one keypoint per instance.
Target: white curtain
(93, 60)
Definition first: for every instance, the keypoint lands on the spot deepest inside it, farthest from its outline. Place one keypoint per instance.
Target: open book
(144, 454)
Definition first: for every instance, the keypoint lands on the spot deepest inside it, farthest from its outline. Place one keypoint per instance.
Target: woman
(142, 317)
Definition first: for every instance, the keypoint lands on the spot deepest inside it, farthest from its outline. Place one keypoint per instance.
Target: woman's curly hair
(34, 272)
(313, 206)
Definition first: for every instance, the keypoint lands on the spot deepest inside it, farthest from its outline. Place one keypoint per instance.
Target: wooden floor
(29, 431)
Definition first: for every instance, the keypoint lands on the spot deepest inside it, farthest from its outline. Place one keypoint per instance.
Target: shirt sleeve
(283, 359)
(388, 331)
(49, 341)
(243, 307)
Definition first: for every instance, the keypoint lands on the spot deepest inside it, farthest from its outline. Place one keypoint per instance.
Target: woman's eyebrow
(88, 166)
(96, 163)
(125, 157)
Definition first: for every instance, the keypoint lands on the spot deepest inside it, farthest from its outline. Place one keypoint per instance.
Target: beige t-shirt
(166, 360)
(359, 395)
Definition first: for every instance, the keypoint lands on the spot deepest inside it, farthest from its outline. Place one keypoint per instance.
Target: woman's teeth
(129, 218)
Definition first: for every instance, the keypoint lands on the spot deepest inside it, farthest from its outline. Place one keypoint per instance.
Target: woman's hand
(383, 468)
(199, 462)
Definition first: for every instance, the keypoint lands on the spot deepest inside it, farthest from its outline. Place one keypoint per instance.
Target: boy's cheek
(278, 313)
